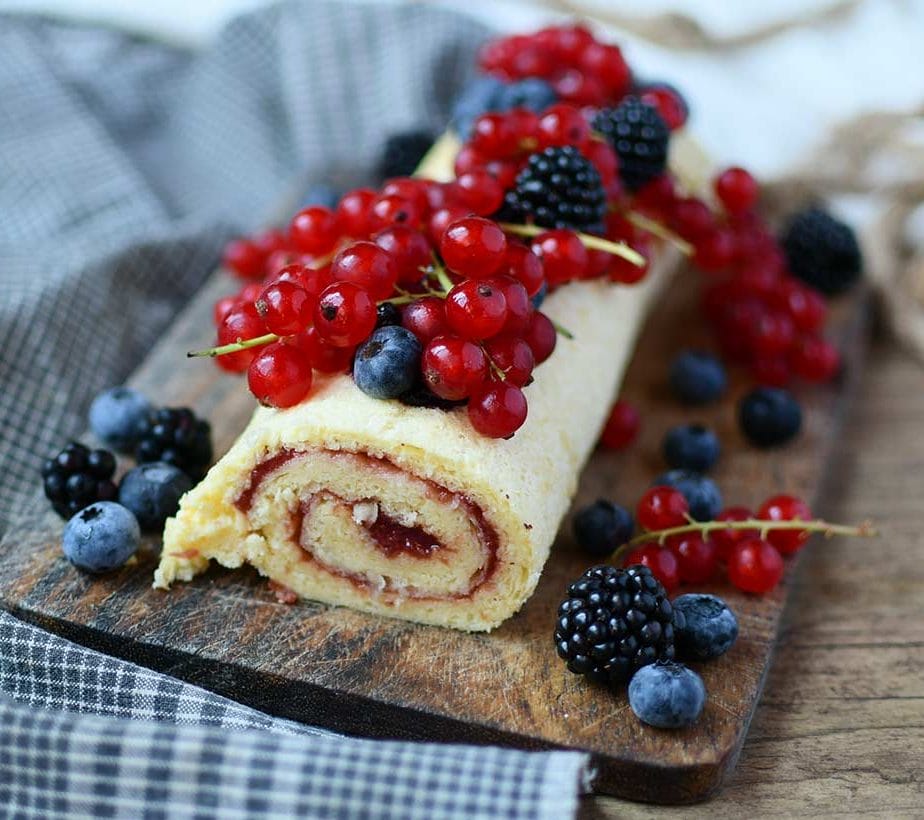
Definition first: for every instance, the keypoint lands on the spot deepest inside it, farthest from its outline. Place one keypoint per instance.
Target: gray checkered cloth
(124, 165)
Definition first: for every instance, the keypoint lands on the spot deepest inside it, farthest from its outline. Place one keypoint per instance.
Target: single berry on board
(622, 426)
(667, 695)
(702, 494)
(697, 558)
(601, 527)
(822, 251)
(77, 477)
(710, 627)
(387, 364)
(785, 508)
(101, 537)
(697, 378)
(152, 492)
(175, 435)
(661, 507)
(116, 416)
(769, 416)
(613, 622)
(691, 447)
(660, 560)
(755, 565)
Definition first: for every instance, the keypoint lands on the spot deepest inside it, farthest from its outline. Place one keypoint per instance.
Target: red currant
(714, 251)
(815, 360)
(409, 249)
(425, 318)
(473, 247)
(607, 63)
(513, 357)
(692, 218)
(657, 196)
(661, 508)
(736, 189)
(772, 335)
(279, 375)
(524, 266)
(476, 310)
(621, 427)
(493, 136)
(345, 314)
(244, 258)
(785, 508)
(806, 307)
(697, 559)
(480, 192)
(725, 540)
(755, 566)
(563, 256)
(497, 409)
(367, 265)
(626, 272)
(241, 324)
(222, 308)
(578, 88)
(314, 230)
(670, 106)
(354, 212)
(562, 124)
(394, 210)
(440, 220)
(519, 308)
(324, 357)
(771, 371)
(452, 367)
(604, 159)
(541, 336)
(286, 308)
(414, 190)
(660, 560)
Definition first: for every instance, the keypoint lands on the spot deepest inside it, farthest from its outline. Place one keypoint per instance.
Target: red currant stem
(496, 370)
(442, 277)
(596, 243)
(657, 229)
(321, 261)
(529, 144)
(561, 329)
(829, 530)
(234, 347)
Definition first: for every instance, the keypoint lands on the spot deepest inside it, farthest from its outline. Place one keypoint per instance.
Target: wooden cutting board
(384, 678)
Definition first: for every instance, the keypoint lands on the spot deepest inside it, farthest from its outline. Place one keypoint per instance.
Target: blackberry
(78, 477)
(403, 152)
(558, 188)
(615, 621)
(175, 436)
(822, 251)
(639, 137)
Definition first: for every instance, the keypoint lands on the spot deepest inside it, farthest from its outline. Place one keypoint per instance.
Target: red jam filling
(391, 538)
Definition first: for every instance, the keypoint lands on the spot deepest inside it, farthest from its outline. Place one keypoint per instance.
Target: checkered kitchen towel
(124, 164)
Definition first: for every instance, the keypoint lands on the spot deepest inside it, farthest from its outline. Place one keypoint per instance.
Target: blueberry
(710, 627)
(601, 527)
(539, 298)
(387, 363)
(387, 314)
(667, 695)
(479, 96)
(702, 494)
(691, 447)
(152, 492)
(321, 194)
(101, 537)
(116, 416)
(769, 416)
(697, 378)
(531, 93)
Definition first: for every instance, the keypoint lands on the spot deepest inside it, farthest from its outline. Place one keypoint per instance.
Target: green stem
(235, 347)
(561, 329)
(597, 243)
(657, 229)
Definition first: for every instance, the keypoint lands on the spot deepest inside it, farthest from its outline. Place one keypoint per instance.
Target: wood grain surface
(839, 731)
(383, 678)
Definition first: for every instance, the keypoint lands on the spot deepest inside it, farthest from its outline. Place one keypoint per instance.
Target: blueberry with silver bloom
(101, 537)
(710, 628)
(667, 695)
(601, 527)
(152, 492)
(387, 363)
(697, 378)
(691, 447)
(769, 416)
(117, 416)
(531, 93)
(702, 494)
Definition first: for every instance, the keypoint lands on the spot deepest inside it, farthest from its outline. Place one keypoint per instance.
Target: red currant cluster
(751, 555)
(582, 70)
(456, 280)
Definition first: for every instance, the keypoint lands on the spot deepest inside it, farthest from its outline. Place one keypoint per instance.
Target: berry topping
(497, 409)
(453, 368)
(662, 507)
(152, 493)
(387, 364)
(286, 308)
(345, 314)
(601, 527)
(77, 477)
(614, 622)
(116, 416)
(621, 427)
(367, 266)
(476, 310)
(702, 493)
(279, 376)
(691, 447)
(769, 416)
(667, 695)
(101, 537)
(558, 188)
(174, 435)
(822, 251)
(639, 137)
(697, 378)
(710, 627)
(473, 247)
